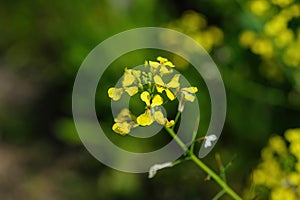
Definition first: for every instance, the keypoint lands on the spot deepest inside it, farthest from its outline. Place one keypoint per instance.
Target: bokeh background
(256, 45)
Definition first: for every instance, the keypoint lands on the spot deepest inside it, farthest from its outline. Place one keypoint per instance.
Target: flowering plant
(156, 84)
(278, 173)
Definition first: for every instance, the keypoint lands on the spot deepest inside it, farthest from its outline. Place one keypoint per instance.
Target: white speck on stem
(153, 170)
(209, 139)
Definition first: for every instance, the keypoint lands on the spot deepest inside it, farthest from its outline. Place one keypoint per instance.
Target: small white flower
(156, 167)
(209, 139)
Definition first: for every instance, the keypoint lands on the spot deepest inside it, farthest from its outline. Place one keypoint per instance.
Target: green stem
(176, 119)
(200, 164)
(219, 195)
(177, 139)
(228, 190)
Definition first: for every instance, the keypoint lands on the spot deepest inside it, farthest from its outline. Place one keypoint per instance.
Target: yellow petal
(190, 89)
(170, 64)
(165, 61)
(159, 117)
(164, 70)
(158, 80)
(145, 96)
(160, 88)
(144, 119)
(157, 100)
(154, 64)
(123, 116)
(189, 97)
(122, 128)
(170, 94)
(115, 93)
(132, 90)
(170, 123)
(161, 59)
(136, 73)
(128, 78)
(174, 83)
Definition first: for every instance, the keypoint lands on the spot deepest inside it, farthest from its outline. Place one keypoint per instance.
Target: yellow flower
(277, 144)
(161, 67)
(195, 25)
(247, 38)
(259, 7)
(124, 122)
(170, 123)
(281, 3)
(123, 128)
(263, 47)
(161, 86)
(151, 114)
(292, 135)
(284, 38)
(187, 94)
(116, 93)
(130, 76)
(145, 119)
(283, 193)
(294, 178)
(295, 149)
(274, 26)
(281, 178)
(165, 61)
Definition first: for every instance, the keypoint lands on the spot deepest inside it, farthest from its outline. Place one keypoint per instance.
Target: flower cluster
(195, 25)
(156, 84)
(279, 33)
(279, 171)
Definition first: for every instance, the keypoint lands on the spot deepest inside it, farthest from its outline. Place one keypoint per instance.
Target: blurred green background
(42, 45)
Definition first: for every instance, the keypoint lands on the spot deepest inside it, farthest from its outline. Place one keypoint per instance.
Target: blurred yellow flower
(195, 25)
(293, 135)
(259, 7)
(247, 38)
(263, 47)
(274, 26)
(291, 56)
(283, 193)
(277, 144)
(284, 38)
(279, 170)
(282, 3)
(278, 39)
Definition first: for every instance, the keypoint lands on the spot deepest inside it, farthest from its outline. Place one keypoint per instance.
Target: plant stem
(176, 119)
(177, 139)
(204, 167)
(219, 195)
(228, 190)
